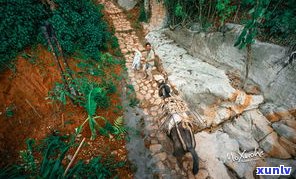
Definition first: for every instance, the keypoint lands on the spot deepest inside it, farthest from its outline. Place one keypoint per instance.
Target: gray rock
(155, 148)
(260, 125)
(284, 113)
(285, 131)
(277, 83)
(196, 27)
(242, 169)
(160, 156)
(214, 155)
(205, 87)
(204, 78)
(272, 147)
(288, 145)
(273, 162)
(127, 4)
(290, 123)
(245, 139)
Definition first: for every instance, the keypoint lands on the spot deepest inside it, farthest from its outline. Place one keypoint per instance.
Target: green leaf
(91, 104)
(251, 11)
(57, 166)
(241, 37)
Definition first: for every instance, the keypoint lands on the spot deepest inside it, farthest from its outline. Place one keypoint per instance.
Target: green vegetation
(133, 101)
(224, 10)
(79, 31)
(9, 111)
(78, 26)
(117, 129)
(272, 20)
(68, 29)
(143, 16)
(92, 95)
(19, 27)
(53, 150)
(268, 20)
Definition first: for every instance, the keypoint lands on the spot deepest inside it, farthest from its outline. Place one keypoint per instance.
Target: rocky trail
(160, 160)
(229, 119)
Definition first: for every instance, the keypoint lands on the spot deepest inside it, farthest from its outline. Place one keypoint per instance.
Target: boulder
(276, 113)
(244, 138)
(260, 125)
(288, 145)
(272, 147)
(217, 159)
(267, 70)
(285, 131)
(273, 162)
(220, 144)
(204, 86)
(127, 4)
(291, 123)
(242, 169)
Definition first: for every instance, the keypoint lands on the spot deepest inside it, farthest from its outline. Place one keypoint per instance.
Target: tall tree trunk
(147, 8)
(200, 13)
(235, 16)
(248, 64)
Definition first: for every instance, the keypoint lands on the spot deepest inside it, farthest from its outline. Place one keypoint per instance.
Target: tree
(248, 34)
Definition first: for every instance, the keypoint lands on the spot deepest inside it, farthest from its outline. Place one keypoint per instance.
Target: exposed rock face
(271, 145)
(285, 131)
(216, 150)
(127, 4)
(240, 125)
(273, 162)
(278, 84)
(205, 87)
(212, 154)
(260, 125)
(223, 150)
(245, 138)
(158, 15)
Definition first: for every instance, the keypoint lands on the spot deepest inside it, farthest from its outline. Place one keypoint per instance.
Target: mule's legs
(178, 148)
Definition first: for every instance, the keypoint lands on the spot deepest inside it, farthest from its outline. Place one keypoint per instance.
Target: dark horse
(180, 133)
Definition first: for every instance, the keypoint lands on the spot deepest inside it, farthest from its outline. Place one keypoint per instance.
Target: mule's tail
(195, 160)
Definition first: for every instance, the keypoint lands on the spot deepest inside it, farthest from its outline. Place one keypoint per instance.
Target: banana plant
(91, 107)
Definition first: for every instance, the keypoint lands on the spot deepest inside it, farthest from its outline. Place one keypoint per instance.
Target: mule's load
(174, 111)
(175, 105)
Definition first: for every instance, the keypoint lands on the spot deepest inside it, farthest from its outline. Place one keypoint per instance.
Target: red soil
(36, 117)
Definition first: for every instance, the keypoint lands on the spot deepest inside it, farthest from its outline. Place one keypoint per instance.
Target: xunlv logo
(281, 170)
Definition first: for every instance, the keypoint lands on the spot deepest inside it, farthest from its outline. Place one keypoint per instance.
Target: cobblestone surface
(164, 163)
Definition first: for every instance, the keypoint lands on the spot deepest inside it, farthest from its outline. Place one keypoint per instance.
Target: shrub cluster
(275, 18)
(78, 25)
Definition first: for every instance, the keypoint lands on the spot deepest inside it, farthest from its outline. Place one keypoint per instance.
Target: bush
(52, 151)
(276, 19)
(78, 25)
(19, 26)
(280, 21)
(143, 17)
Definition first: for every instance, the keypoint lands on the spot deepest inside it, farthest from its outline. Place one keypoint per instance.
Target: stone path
(164, 164)
(216, 98)
(209, 92)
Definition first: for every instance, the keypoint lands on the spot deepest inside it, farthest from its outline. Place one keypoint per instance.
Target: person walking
(149, 62)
